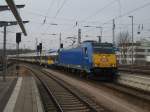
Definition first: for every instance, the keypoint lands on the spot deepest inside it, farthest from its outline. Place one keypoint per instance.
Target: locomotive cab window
(103, 48)
(85, 51)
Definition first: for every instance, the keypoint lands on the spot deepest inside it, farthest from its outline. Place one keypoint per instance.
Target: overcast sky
(65, 13)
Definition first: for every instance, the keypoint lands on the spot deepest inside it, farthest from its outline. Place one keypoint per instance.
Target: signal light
(40, 46)
(18, 38)
(61, 45)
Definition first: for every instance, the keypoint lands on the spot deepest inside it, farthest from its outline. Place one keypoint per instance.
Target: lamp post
(132, 42)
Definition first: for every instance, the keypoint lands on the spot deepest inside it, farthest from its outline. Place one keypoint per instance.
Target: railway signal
(40, 48)
(18, 40)
(11, 6)
(5, 24)
(61, 45)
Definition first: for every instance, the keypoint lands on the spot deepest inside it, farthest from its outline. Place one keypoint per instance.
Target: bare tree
(124, 41)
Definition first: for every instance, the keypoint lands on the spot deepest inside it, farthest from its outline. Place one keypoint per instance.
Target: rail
(74, 94)
(56, 88)
(51, 94)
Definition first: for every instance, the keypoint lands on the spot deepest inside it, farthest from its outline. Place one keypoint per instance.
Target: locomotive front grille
(104, 60)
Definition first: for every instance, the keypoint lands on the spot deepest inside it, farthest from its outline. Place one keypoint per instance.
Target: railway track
(132, 95)
(58, 96)
(145, 70)
(136, 76)
(139, 82)
(137, 86)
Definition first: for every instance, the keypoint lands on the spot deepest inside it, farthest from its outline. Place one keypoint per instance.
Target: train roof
(90, 41)
(44, 53)
(95, 43)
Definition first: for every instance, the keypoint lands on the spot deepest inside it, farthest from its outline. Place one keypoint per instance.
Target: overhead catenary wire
(129, 12)
(50, 7)
(117, 17)
(77, 22)
(58, 11)
(99, 10)
(48, 10)
(125, 14)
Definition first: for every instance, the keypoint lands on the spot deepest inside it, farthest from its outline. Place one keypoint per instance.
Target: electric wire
(100, 10)
(129, 12)
(126, 13)
(58, 11)
(117, 17)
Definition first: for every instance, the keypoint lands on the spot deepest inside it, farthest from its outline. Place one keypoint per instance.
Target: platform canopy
(15, 12)
(10, 23)
(6, 7)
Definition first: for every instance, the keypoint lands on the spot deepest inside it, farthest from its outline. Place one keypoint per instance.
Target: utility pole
(40, 49)
(79, 36)
(113, 32)
(36, 44)
(101, 32)
(100, 37)
(60, 41)
(4, 56)
(132, 56)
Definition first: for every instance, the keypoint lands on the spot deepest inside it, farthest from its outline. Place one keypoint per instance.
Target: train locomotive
(92, 58)
(89, 58)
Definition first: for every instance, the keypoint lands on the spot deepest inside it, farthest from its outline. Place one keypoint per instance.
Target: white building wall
(141, 55)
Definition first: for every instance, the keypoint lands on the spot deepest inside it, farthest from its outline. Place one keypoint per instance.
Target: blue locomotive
(90, 57)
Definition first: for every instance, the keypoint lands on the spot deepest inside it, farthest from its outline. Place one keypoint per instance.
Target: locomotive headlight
(95, 65)
(113, 65)
(104, 56)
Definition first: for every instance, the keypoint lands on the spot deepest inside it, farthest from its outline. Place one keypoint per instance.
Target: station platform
(24, 97)
(6, 88)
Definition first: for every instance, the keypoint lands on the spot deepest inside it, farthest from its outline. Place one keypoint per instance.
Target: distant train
(90, 57)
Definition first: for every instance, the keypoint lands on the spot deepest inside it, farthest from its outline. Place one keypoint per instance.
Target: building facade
(141, 53)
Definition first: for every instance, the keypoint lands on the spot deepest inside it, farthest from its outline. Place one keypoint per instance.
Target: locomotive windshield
(103, 48)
